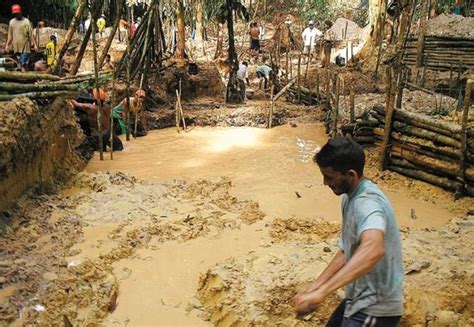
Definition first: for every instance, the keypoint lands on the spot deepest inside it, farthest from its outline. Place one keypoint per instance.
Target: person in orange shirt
(254, 33)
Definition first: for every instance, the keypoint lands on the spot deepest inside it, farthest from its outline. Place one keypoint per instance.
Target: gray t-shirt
(380, 292)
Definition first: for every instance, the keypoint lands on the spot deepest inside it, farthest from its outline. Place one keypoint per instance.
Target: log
(284, 89)
(431, 179)
(17, 76)
(422, 144)
(432, 165)
(425, 134)
(22, 88)
(39, 95)
(428, 123)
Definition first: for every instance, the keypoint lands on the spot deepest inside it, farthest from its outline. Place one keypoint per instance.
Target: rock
(447, 318)
(49, 276)
(327, 249)
(417, 266)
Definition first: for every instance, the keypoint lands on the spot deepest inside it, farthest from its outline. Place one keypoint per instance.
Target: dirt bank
(38, 144)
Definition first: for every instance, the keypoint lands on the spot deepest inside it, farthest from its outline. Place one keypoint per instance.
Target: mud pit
(211, 231)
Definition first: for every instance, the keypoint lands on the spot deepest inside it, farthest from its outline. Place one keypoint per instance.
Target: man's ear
(352, 173)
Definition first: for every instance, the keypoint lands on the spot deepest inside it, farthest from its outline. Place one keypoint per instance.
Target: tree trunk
(199, 32)
(421, 33)
(82, 50)
(220, 41)
(70, 32)
(111, 36)
(181, 46)
(232, 94)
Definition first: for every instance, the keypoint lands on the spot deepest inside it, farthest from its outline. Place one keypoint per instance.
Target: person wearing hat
(310, 35)
(101, 25)
(20, 37)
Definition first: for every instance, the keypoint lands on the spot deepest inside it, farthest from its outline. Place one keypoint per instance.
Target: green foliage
(314, 9)
(217, 9)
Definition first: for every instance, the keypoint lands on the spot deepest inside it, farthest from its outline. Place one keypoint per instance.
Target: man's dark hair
(342, 155)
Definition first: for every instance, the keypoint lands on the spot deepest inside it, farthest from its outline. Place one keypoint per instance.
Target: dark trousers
(359, 319)
(242, 88)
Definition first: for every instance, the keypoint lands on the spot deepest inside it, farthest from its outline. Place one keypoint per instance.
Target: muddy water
(267, 166)
(158, 284)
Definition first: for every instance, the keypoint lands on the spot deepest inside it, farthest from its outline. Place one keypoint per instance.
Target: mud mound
(336, 31)
(451, 26)
(47, 278)
(37, 144)
(302, 229)
(257, 289)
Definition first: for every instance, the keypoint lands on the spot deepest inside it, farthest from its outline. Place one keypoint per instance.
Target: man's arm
(370, 250)
(334, 266)
(9, 39)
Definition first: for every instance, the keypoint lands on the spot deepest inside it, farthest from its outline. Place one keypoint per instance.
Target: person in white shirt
(310, 35)
(242, 77)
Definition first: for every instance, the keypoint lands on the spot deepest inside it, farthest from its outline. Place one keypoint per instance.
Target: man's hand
(7, 48)
(307, 302)
(35, 47)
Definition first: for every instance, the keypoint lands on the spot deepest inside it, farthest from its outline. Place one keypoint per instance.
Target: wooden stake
(111, 129)
(299, 78)
(335, 112)
(390, 102)
(309, 60)
(352, 105)
(287, 63)
(129, 68)
(317, 88)
(401, 85)
(99, 101)
(464, 137)
(272, 104)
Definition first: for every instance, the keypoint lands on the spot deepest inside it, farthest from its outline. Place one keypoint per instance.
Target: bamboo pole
(112, 34)
(20, 87)
(96, 73)
(317, 88)
(287, 65)
(39, 95)
(18, 76)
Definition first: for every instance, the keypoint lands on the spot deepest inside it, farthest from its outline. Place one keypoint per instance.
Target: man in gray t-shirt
(369, 263)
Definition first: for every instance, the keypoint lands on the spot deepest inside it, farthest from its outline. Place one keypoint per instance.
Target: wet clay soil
(218, 226)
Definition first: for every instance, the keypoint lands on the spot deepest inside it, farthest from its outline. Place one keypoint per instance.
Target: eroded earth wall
(39, 145)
